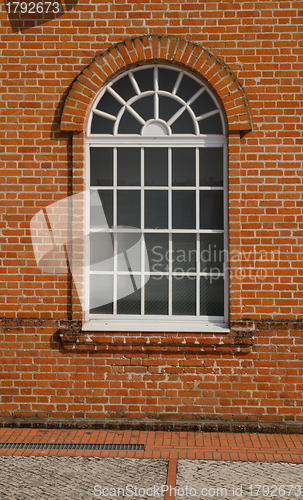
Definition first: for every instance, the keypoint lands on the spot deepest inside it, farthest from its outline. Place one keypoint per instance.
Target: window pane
(211, 253)
(184, 209)
(155, 172)
(101, 125)
(188, 87)
(183, 125)
(101, 294)
(109, 104)
(211, 125)
(129, 124)
(211, 209)
(167, 107)
(184, 295)
(167, 79)
(203, 104)
(101, 209)
(128, 166)
(145, 107)
(124, 88)
(157, 251)
(101, 166)
(129, 251)
(145, 79)
(211, 166)
(211, 296)
(184, 253)
(101, 251)
(128, 209)
(184, 166)
(156, 295)
(130, 293)
(156, 208)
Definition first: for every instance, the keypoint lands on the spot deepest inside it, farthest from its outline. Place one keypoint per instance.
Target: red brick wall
(254, 376)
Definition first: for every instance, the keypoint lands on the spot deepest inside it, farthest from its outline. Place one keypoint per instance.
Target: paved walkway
(173, 465)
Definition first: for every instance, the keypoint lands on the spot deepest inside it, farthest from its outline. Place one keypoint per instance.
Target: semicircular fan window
(155, 101)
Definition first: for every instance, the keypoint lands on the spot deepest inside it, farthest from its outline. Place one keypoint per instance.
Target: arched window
(157, 209)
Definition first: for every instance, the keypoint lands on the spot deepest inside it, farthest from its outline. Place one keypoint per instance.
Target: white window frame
(147, 323)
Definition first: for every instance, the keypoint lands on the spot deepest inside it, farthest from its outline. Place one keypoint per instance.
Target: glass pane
(156, 295)
(101, 166)
(211, 296)
(203, 104)
(128, 208)
(101, 209)
(184, 166)
(184, 295)
(211, 166)
(128, 166)
(129, 293)
(157, 251)
(156, 209)
(188, 87)
(167, 79)
(101, 293)
(211, 209)
(184, 209)
(183, 125)
(129, 252)
(101, 251)
(211, 253)
(211, 125)
(145, 79)
(184, 253)
(129, 124)
(109, 104)
(101, 125)
(167, 107)
(155, 172)
(124, 88)
(145, 107)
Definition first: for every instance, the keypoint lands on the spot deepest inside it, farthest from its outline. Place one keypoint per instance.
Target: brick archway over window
(156, 48)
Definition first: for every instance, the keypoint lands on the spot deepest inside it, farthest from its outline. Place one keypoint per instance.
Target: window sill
(116, 325)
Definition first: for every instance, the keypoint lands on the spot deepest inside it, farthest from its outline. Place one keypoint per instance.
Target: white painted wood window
(157, 207)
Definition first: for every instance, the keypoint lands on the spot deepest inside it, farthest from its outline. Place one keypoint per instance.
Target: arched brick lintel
(156, 48)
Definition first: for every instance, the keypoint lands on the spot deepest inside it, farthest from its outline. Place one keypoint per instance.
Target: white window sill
(122, 325)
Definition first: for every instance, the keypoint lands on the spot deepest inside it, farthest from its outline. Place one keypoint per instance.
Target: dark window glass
(184, 295)
(145, 107)
(211, 296)
(211, 166)
(129, 124)
(184, 166)
(184, 209)
(145, 79)
(183, 125)
(156, 209)
(156, 295)
(124, 88)
(155, 172)
(101, 125)
(101, 209)
(203, 104)
(109, 104)
(157, 252)
(211, 209)
(188, 87)
(184, 254)
(129, 252)
(101, 251)
(130, 293)
(167, 107)
(167, 79)
(211, 125)
(211, 253)
(101, 294)
(128, 166)
(128, 208)
(101, 166)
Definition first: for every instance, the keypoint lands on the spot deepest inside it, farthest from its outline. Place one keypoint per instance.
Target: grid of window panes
(158, 246)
